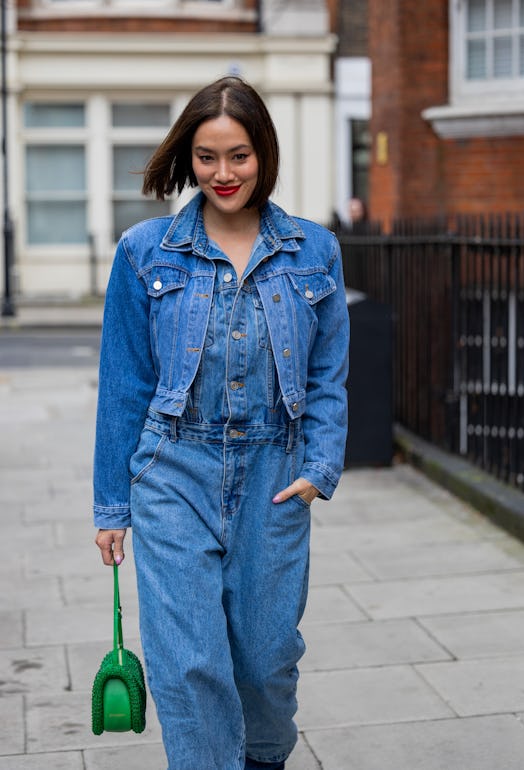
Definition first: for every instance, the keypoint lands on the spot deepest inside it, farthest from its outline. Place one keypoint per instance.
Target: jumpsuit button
(228, 277)
(309, 294)
(286, 352)
(236, 334)
(157, 285)
(235, 385)
(276, 297)
(294, 407)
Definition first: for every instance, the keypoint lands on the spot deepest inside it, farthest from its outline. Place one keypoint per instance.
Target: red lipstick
(224, 191)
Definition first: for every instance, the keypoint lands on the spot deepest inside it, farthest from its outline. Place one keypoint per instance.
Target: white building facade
(86, 109)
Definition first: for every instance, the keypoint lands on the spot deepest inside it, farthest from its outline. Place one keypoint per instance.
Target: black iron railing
(457, 295)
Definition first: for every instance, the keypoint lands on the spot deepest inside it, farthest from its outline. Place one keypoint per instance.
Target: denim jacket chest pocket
(165, 287)
(311, 288)
(291, 300)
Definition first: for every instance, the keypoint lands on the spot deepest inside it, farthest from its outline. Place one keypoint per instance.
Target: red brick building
(447, 118)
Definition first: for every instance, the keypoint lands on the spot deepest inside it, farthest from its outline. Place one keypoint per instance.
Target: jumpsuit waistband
(232, 434)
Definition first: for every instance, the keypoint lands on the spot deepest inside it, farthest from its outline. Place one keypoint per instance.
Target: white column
(99, 183)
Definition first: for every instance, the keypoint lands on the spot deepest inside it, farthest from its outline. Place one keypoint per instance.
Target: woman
(221, 416)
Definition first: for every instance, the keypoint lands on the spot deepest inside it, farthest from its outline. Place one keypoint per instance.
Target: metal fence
(457, 295)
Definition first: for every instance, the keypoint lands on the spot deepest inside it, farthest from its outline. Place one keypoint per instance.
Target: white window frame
(477, 108)
(461, 88)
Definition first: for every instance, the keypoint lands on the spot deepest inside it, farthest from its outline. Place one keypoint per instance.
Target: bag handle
(118, 639)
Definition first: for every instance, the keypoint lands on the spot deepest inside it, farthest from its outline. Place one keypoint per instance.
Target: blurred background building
(94, 85)
(412, 109)
(448, 107)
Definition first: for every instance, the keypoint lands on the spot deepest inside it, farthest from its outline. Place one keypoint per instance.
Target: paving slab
(432, 596)
(325, 570)
(366, 696)
(73, 624)
(479, 635)
(64, 760)
(494, 743)
(12, 731)
(28, 594)
(63, 722)
(390, 535)
(474, 687)
(428, 560)
(353, 645)
(329, 604)
(36, 670)
(11, 628)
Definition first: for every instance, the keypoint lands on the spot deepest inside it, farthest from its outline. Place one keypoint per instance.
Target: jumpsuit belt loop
(291, 436)
(172, 429)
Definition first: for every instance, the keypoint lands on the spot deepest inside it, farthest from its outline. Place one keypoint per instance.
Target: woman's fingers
(111, 544)
(301, 487)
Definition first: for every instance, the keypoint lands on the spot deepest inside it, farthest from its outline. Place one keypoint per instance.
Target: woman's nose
(223, 172)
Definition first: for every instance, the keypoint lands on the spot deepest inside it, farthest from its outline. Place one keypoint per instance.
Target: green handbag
(118, 701)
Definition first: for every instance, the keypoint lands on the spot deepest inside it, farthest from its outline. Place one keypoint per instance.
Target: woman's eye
(205, 158)
(240, 156)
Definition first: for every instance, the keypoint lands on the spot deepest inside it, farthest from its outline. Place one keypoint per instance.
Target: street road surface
(48, 348)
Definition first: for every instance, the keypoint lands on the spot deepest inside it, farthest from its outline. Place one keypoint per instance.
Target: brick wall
(409, 51)
(484, 175)
(426, 176)
(143, 24)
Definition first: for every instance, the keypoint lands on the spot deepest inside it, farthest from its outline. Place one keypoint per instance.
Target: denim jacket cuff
(112, 516)
(321, 477)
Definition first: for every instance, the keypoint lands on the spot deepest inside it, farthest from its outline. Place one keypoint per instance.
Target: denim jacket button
(276, 297)
(286, 352)
(294, 407)
(157, 285)
(309, 294)
(228, 277)
(236, 334)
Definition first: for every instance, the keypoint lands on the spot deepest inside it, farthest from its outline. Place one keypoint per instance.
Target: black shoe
(252, 764)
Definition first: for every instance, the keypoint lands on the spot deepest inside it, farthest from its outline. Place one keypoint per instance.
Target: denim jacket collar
(187, 232)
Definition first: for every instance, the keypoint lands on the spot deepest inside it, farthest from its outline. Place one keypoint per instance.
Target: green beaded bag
(118, 701)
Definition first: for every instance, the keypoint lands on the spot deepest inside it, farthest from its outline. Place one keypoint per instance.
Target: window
(129, 206)
(494, 39)
(138, 128)
(55, 174)
(487, 48)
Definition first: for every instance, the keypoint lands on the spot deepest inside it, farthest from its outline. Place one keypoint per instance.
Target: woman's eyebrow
(201, 148)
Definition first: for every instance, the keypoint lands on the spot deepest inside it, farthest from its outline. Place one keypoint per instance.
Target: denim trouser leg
(222, 575)
(268, 558)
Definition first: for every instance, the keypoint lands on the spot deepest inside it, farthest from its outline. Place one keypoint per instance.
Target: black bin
(370, 383)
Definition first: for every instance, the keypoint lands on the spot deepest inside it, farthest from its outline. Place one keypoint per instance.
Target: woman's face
(224, 163)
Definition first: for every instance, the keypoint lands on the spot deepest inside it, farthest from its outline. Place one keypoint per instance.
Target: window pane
(128, 164)
(53, 115)
(476, 60)
(502, 59)
(49, 168)
(521, 56)
(127, 213)
(56, 222)
(503, 14)
(476, 15)
(140, 115)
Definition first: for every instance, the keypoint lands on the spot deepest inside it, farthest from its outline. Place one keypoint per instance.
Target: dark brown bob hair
(171, 165)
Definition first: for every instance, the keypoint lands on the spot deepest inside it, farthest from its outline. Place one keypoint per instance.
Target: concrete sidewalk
(415, 622)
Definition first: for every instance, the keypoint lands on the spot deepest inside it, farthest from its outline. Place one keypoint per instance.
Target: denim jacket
(156, 314)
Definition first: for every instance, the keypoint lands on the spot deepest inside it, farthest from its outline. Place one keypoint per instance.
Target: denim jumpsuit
(221, 570)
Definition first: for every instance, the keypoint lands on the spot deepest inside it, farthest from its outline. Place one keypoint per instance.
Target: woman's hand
(111, 544)
(300, 487)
